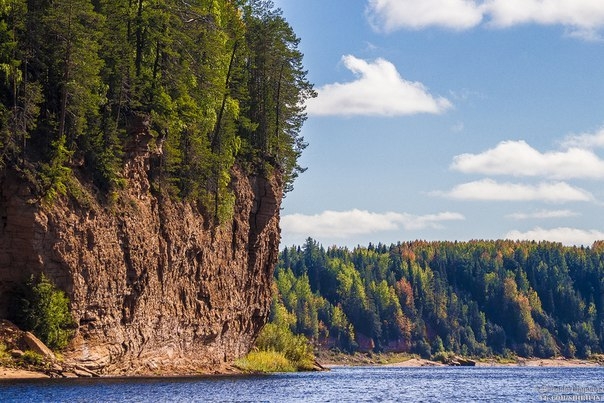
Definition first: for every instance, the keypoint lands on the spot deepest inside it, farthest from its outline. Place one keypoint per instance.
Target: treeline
(478, 298)
(212, 82)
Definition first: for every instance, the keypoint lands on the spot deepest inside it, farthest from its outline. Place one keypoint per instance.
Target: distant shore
(330, 359)
(530, 362)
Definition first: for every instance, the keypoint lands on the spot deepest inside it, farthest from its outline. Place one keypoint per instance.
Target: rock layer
(154, 286)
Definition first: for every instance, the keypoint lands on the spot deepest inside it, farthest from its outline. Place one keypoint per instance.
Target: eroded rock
(150, 280)
(37, 346)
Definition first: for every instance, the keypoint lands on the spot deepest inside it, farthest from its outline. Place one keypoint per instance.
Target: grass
(33, 358)
(5, 357)
(265, 361)
(295, 349)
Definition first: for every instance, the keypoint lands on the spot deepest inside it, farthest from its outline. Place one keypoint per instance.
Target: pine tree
(278, 88)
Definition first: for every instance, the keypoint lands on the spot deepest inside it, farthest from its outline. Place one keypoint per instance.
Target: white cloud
(543, 214)
(490, 190)
(585, 140)
(583, 18)
(379, 90)
(517, 158)
(342, 224)
(390, 15)
(587, 35)
(582, 14)
(565, 235)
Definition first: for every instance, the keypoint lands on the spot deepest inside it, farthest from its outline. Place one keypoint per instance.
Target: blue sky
(450, 120)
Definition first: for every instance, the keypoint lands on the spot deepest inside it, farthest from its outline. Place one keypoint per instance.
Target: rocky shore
(330, 359)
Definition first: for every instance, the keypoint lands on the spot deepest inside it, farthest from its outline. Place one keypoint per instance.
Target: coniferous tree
(277, 86)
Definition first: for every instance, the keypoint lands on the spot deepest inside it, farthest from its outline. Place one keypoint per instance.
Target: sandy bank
(537, 362)
(331, 359)
(415, 362)
(15, 373)
(532, 362)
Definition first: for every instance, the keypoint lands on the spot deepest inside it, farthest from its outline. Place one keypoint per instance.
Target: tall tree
(278, 88)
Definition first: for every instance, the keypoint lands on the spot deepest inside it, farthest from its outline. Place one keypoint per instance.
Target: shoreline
(522, 363)
(330, 360)
(9, 373)
(17, 373)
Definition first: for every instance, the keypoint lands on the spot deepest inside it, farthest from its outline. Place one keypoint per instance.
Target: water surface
(342, 384)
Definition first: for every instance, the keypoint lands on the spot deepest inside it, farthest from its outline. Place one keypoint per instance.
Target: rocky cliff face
(153, 286)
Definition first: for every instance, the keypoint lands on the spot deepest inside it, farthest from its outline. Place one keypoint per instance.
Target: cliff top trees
(277, 88)
(213, 81)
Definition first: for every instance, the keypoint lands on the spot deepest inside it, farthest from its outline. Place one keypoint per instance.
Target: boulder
(16, 353)
(465, 362)
(37, 346)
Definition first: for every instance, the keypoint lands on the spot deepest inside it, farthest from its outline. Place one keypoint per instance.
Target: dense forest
(212, 83)
(478, 298)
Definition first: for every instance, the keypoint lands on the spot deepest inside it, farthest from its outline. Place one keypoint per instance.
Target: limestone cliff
(154, 287)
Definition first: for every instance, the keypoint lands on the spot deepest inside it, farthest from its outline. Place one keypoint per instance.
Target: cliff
(154, 287)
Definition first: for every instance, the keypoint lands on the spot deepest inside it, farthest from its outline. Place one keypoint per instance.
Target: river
(341, 384)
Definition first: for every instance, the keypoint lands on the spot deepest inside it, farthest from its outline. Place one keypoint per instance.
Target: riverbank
(16, 373)
(332, 359)
(42, 372)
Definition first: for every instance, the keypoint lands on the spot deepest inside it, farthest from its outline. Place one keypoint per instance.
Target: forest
(212, 83)
(476, 298)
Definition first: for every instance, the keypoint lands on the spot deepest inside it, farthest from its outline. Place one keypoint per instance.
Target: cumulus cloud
(379, 90)
(585, 140)
(490, 190)
(565, 235)
(342, 224)
(583, 14)
(390, 15)
(543, 214)
(583, 18)
(517, 158)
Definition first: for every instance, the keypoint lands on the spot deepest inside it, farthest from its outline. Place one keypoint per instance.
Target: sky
(450, 120)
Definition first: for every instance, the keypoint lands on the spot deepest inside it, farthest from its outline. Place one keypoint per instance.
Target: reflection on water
(358, 384)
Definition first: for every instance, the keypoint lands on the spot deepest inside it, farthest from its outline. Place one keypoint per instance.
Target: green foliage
(4, 355)
(280, 339)
(294, 347)
(277, 87)
(55, 175)
(86, 83)
(443, 357)
(265, 361)
(479, 298)
(33, 358)
(44, 310)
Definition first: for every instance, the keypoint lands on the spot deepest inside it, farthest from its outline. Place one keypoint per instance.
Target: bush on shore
(278, 350)
(265, 361)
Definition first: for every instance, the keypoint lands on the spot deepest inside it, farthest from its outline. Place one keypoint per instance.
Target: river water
(341, 384)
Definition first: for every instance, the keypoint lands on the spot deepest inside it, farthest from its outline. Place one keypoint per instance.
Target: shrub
(295, 348)
(423, 349)
(265, 361)
(44, 310)
(4, 355)
(33, 358)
